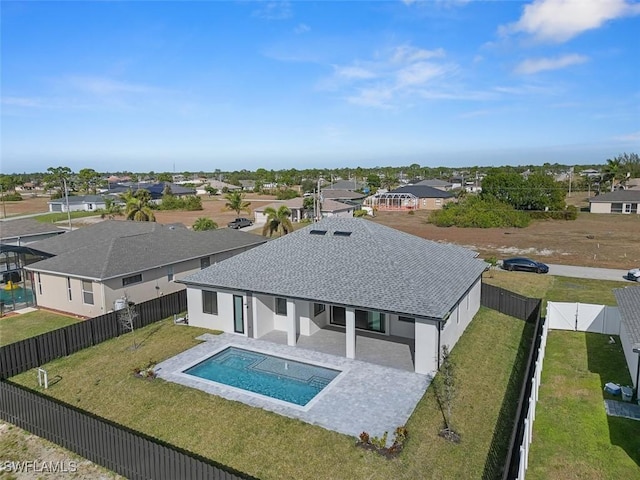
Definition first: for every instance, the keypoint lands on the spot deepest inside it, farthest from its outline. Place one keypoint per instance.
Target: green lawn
(25, 325)
(62, 216)
(573, 437)
(599, 292)
(270, 446)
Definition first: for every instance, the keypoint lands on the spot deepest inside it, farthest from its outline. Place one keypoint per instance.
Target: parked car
(634, 275)
(524, 264)
(240, 223)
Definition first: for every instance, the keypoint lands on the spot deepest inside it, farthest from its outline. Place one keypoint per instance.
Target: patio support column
(292, 333)
(350, 320)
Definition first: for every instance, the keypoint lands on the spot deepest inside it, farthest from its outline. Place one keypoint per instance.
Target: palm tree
(235, 202)
(204, 223)
(138, 206)
(277, 221)
(613, 172)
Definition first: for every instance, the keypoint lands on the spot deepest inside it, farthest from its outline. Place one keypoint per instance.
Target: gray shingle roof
(422, 191)
(376, 267)
(617, 196)
(628, 299)
(298, 202)
(329, 193)
(434, 182)
(77, 199)
(129, 253)
(25, 228)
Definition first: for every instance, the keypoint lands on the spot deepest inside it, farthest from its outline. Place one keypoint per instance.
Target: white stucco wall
(262, 315)
(399, 328)
(224, 318)
(426, 347)
(600, 207)
(461, 317)
(55, 295)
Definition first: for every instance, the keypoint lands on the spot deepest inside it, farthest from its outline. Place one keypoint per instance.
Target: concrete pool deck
(364, 397)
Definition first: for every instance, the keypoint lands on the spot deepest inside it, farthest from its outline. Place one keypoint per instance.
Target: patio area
(364, 396)
(388, 351)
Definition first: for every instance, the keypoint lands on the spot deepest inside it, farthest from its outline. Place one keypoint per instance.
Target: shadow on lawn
(494, 464)
(608, 361)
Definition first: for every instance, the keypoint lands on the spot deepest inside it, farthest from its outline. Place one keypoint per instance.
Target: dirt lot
(29, 205)
(597, 240)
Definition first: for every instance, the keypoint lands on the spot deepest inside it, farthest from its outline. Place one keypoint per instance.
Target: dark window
(318, 308)
(69, 288)
(616, 208)
(281, 306)
(368, 320)
(87, 292)
(131, 280)
(205, 262)
(209, 302)
(339, 233)
(407, 319)
(318, 232)
(170, 273)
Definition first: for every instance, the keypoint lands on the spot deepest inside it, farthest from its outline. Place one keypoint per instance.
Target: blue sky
(144, 86)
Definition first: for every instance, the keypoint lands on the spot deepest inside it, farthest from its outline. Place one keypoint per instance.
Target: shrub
(360, 213)
(171, 202)
(479, 212)
(286, 194)
(11, 197)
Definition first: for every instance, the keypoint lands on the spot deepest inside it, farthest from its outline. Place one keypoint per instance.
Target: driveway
(587, 272)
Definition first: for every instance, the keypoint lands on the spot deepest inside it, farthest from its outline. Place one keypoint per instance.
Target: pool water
(280, 378)
(18, 295)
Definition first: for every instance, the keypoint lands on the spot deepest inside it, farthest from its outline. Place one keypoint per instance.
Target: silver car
(634, 275)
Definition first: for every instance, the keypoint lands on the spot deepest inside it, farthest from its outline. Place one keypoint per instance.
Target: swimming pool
(276, 377)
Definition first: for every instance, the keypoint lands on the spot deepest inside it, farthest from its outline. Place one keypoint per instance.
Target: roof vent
(339, 233)
(318, 232)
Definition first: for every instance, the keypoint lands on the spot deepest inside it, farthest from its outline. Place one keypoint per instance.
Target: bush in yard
(476, 212)
(11, 197)
(286, 194)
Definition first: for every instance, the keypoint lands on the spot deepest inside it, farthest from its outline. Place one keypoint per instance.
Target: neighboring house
(156, 190)
(78, 203)
(628, 300)
(248, 185)
(96, 265)
(591, 173)
(351, 185)
(335, 194)
(26, 231)
(329, 208)
(350, 275)
(632, 184)
(217, 184)
(435, 183)
(410, 197)
(619, 201)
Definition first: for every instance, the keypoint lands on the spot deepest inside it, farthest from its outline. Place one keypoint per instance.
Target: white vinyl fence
(583, 317)
(532, 401)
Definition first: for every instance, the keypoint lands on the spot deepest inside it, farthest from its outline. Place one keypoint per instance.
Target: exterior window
(170, 273)
(438, 201)
(209, 302)
(204, 263)
(87, 292)
(616, 208)
(627, 208)
(318, 308)
(39, 284)
(407, 319)
(368, 320)
(281, 306)
(131, 280)
(69, 288)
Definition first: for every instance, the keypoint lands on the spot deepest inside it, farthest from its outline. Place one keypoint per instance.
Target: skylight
(318, 232)
(340, 233)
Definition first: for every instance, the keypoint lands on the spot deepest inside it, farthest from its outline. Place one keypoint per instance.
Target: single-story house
(218, 185)
(329, 208)
(351, 184)
(435, 183)
(336, 194)
(156, 190)
(410, 197)
(628, 300)
(248, 185)
(26, 231)
(95, 266)
(618, 201)
(78, 203)
(347, 274)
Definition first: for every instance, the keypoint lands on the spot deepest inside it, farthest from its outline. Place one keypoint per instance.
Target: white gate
(583, 317)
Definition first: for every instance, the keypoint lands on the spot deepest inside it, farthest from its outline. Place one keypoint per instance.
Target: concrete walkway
(616, 408)
(364, 397)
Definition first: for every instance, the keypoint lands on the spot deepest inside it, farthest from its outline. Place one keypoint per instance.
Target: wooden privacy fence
(509, 303)
(32, 352)
(124, 451)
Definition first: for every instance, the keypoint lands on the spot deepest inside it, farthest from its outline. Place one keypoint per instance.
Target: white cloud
(633, 137)
(25, 102)
(274, 10)
(535, 65)
(301, 28)
(354, 72)
(103, 86)
(380, 97)
(560, 20)
(407, 53)
(419, 73)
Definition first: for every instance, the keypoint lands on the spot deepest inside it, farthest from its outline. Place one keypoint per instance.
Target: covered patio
(388, 351)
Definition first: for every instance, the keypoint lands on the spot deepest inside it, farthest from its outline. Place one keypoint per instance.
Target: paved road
(588, 272)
